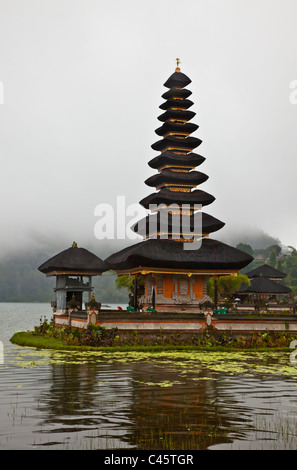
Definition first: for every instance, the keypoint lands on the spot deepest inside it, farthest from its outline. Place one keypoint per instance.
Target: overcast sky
(83, 81)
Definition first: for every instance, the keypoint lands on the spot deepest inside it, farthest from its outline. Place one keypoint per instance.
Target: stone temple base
(156, 321)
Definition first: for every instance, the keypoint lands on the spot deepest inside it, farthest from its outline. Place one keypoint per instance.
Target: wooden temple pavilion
(73, 269)
(264, 285)
(175, 278)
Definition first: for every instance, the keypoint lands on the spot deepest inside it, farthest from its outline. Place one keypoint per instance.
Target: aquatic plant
(93, 335)
(97, 336)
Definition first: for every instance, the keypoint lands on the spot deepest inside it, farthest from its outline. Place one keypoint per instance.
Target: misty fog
(82, 87)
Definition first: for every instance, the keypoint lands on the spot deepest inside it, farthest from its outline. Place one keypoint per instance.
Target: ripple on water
(64, 400)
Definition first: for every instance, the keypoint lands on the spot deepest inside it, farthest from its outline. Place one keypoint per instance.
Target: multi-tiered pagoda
(175, 271)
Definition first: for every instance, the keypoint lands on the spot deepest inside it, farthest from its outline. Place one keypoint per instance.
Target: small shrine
(73, 269)
(175, 275)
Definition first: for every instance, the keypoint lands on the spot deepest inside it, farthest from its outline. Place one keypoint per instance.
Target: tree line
(20, 280)
(275, 256)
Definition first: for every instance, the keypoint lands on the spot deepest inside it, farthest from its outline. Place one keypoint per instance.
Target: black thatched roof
(263, 285)
(170, 126)
(188, 143)
(146, 225)
(174, 177)
(177, 79)
(171, 158)
(176, 114)
(157, 253)
(74, 259)
(172, 103)
(266, 271)
(176, 92)
(167, 197)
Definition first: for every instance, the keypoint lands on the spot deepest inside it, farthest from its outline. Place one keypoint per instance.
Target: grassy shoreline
(33, 340)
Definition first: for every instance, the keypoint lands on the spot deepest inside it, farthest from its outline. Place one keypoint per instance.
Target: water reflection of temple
(145, 405)
(92, 399)
(175, 410)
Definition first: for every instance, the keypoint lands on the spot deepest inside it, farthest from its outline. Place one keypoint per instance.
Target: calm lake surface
(176, 401)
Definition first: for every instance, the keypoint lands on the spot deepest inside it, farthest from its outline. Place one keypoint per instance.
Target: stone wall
(183, 323)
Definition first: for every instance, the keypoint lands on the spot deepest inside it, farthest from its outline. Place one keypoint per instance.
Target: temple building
(264, 285)
(73, 269)
(174, 270)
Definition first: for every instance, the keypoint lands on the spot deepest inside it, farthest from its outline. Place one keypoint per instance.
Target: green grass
(30, 339)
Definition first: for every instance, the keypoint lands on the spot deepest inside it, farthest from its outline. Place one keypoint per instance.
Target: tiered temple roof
(264, 281)
(266, 271)
(175, 184)
(264, 285)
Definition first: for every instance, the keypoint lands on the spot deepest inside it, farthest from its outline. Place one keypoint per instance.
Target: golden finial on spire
(177, 63)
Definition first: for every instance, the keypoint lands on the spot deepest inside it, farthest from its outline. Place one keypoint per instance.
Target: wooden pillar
(90, 291)
(135, 293)
(154, 298)
(60, 292)
(216, 292)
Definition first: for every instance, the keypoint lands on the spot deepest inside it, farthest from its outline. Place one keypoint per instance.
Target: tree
(246, 248)
(227, 285)
(127, 281)
(274, 248)
(272, 259)
(290, 268)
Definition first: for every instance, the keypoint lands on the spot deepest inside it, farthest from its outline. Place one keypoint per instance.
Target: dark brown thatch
(266, 271)
(176, 92)
(156, 253)
(146, 225)
(188, 143)
(174, 177)
(170, 126)
(74, 259)
(171, 158)
(177, 114)
(167, 197)
(169, 254)
(263, 285)
(177, 79)
(172, 103)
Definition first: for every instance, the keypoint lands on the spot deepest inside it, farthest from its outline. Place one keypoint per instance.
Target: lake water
(175, 401)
